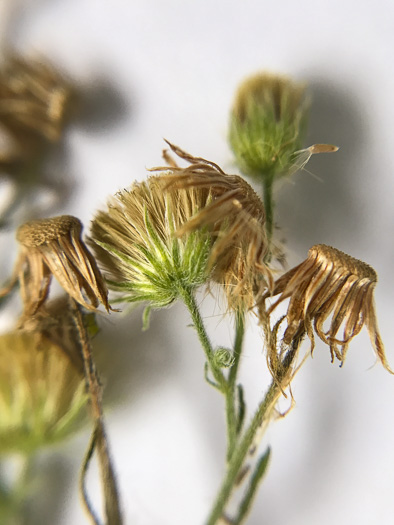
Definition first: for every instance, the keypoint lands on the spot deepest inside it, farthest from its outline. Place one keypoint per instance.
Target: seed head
(235, 216)
(135, 241)
(34, 98)
(54, 247)
(330, 283)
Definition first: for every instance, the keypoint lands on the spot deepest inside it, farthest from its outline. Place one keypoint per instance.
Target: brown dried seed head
(54, 247)
(331, 295)
(236, 217)
(342, 260)
(36, 233)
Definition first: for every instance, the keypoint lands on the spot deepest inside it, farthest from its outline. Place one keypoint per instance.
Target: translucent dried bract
(54, 247)
(235, 216)
(330, 283)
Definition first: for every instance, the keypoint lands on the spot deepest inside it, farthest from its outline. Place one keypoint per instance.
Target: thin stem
(240, 453)
(82, 479)
(111, 498)
(233, 413)
(269, 205)
(239, 337)
(191, 304)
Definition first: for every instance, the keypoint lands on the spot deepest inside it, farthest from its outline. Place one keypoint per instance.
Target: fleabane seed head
(330, 284)
(135, 241)
(35, 105)
(54, 247)
(235, 218)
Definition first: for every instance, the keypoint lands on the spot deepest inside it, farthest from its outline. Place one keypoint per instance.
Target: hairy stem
(191, 304)
(111, 498)
(269, 206)
(233, 412)
(262, 415)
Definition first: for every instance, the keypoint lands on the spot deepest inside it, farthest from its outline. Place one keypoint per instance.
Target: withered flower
(235, 216)
(35, 103)
(33, 97)
(330, 283)
(54, 247)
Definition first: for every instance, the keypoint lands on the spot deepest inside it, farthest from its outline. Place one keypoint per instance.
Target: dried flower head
(42, 392)
(134, 240)
(54, 247)
(34, 105)
(330, 283)
(33, 97)
(235, 216)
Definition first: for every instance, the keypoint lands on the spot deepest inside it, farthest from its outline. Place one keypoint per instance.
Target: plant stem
(268, 205)
(232, 417)
(191, 304)
(111, 498)
(262, 414)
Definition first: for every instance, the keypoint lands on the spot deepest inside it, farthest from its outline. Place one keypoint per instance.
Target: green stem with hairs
(227, 386)
(234, 412)
(268, 185)
(240, 453)
(191, 304)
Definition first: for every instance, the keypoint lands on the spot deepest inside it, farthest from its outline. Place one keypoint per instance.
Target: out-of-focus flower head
(42, 386)
(35, 103)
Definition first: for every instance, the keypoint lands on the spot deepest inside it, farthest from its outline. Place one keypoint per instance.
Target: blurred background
(146, 70)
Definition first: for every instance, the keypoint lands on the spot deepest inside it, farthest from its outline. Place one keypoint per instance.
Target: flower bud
(267, 124)
(223, 358)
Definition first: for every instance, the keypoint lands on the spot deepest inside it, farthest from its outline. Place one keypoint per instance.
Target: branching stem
(262, 415)
(111, 498)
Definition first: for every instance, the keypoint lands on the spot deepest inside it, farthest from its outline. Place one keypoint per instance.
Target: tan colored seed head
(54, 247)
(330, 283)
(236, 217)
(33, 234)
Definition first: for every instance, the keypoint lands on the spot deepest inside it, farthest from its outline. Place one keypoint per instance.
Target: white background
(153, 69)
